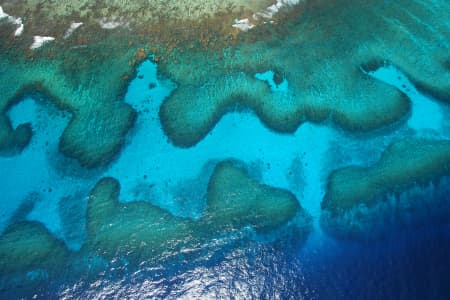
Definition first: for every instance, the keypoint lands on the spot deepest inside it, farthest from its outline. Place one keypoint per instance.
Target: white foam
(13, 20)
(243, 24)
(2, 13)
(39, 41)
(273, 9)
(267, 13)
(19, 29)
(105, 24)
(74, 26)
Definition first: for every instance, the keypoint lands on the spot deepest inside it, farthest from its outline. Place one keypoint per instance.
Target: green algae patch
(27, 246)
(403, 165)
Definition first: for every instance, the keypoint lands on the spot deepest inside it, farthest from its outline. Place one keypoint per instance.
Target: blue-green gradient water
(408, 261)
(305, 158)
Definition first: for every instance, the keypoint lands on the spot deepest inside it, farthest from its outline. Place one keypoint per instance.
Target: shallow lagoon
(151, 169)
(259, 244)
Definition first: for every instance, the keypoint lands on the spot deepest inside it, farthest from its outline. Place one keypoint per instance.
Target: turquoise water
(309, 158)
(54, 191)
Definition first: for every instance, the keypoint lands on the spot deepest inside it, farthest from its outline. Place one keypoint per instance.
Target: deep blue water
(409, 264)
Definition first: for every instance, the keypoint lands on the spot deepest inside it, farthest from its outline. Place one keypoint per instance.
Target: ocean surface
(401, 255)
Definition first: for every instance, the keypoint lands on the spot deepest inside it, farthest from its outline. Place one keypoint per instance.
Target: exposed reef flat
(136, 12)
(408, 185)
(160, 21)
(141, 232)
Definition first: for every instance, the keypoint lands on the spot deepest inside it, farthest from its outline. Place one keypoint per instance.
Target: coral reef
(202, 107)
(394, 190)
(116, 11)
(89, 89)
(324, 47)
(139, 231)
(322, 54)
(236, 201)
(135, 230)
(320, 50)
(403, 164)
(29, 246)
